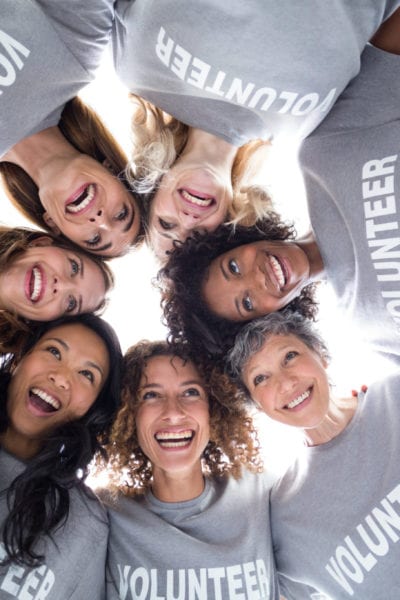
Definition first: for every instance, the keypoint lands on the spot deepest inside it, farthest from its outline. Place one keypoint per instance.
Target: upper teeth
(173, 435)
(298, 400)
(277, 269)
(37, 284)
(195, 199)
(86, 196)
(46, 397)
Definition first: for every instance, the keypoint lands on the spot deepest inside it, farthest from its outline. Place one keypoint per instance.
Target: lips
(43, 402)
(81, 200)
(196, 198)
(174, 439)
(35, 284)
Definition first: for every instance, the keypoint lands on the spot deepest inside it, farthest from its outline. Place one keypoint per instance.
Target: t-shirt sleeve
(371, 99)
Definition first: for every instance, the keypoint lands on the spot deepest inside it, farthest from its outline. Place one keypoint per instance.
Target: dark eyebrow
(224, 273)
(94, 366)
(129, 223)
(79, 304)
(60, 341)
(100, 248)
(80, 264)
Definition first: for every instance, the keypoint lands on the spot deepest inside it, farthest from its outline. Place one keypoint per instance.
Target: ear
(50, 223)
(43, 240)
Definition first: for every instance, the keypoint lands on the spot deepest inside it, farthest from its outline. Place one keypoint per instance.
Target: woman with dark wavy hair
(198, 303)
(179, 455)
(43, 277)
(63, 169)
(60, 391)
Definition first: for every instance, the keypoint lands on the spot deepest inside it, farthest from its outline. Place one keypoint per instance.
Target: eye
(259, 379)
(290, 355)
(54, 351)
(165, 225)
(94, 241)
(72, 304)
(247, 304)
(88, 374)
(150, 395)
(122, 215)
(75, 267)
(191, 392)
(233, 267)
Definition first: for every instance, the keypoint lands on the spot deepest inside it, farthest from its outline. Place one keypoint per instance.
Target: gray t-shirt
(48, 52)
(351, 170)
(75, 558)
(244, 70)
(215, 547)
(336, 513)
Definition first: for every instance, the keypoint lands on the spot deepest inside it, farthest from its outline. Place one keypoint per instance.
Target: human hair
(253, 336)
(159, 140)
(83, 129)
(14, 241)
(39, 498)
(233, 441)
(185, 311)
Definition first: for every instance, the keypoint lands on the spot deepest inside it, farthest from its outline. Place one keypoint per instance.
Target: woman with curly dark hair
(177, 450)
(215, 282)
(59, 393)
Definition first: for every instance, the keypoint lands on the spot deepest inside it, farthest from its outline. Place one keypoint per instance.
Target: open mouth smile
(43, 401)
(174, 439)
(35, 284)
(81, 200)
(197, 199)
(299, 400)
(279, 271)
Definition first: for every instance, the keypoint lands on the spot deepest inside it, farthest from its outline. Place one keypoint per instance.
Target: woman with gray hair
(335, 512)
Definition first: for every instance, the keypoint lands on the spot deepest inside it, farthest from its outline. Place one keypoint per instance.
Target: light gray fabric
(48, 52)
(336, 513)
(218, 543)
(75, 559)
(244, 70)
(351, 169)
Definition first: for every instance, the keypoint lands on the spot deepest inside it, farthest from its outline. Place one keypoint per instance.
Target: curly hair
(233, 440)
(160, 138)
(39, 498)
(14, 241)
(84, 130)
(180, 281)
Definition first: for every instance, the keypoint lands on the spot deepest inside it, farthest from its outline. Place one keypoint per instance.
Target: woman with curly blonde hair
(176, 453)
(191, 179)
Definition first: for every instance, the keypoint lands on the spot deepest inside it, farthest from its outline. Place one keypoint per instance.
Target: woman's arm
(388, 35)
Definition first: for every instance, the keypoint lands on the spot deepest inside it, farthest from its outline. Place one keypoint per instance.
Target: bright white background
(133, 308)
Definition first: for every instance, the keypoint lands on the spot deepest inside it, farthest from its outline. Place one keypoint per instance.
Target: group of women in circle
(189, 510)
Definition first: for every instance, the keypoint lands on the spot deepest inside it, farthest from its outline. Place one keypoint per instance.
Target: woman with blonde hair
(178, 496)
(68, 179)
(42, 278)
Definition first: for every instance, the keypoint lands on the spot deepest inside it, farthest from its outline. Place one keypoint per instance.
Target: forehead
(273, 345)
(167, 368)
(79, 339)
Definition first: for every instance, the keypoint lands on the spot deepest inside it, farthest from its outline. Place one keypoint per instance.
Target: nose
(173, 410)
(101, 218)
(286, 381)
(97, 216)
(60, 379)
(188, 220)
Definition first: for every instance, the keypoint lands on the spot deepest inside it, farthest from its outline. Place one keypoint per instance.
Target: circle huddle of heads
(180, 281)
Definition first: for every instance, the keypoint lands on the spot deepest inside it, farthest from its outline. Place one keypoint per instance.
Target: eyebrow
(159, 385)
(226, 277)
(94, 366)
(79, 304)
(101, 248)
(129, 223)
(279, 349)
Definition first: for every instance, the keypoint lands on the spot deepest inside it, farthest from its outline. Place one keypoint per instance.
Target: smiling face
(56, 382)
(90, 206)
(172, 420)
(288, 381)
(255, 279)
(46, 282)
(190, 197)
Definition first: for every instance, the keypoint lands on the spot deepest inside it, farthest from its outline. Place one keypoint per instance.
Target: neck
(18, 445)
(339, 415)
(309, 246)
(36, 153)
(177, 487)
(210, 149)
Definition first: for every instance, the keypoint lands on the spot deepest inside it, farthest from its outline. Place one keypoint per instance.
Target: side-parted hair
(252, 337)
(233, 440)
(14, 241)
(180, 281)
(39, 498)
(160, 138)
(83, 128)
